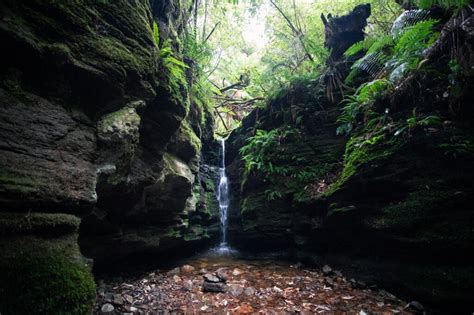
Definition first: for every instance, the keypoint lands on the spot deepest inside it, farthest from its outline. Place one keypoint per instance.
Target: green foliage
(202, 92)
(458, 146)
(363, 149)
(49, 284)
(258, 152)
(282, 159)
(416, 120)
(455, 78)
(174, 67)
(156, 34)
(360, 103)
(411, 44)
(450, 4)
(396, 54)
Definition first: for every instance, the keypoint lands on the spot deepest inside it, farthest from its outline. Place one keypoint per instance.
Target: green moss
(125, 116)
(118, 54)
(37, 222)
(429, 215)
(361, 152)
(253, 203)
(17, 182)
(196, 232)
(46, 284)
(186, 133)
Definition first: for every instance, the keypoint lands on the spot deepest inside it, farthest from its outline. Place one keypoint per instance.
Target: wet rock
(187, 268)
(203, 271)
(214, 278)
(188, 285)
(128, 298)
(237, 272)
(107, 308)
(416, 307)
(329, 281)
(221, 273)
(277, 290)
(174, 271)
(235, 289)
(109, 297)
(327, 270)
(250, 291)
(214, 287)
(117, 299)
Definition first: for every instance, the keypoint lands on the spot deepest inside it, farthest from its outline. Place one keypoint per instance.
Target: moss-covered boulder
(41, 268)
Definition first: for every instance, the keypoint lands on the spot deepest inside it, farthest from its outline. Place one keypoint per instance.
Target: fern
(449, 4)
(411, 44)
(174, 66)
(156, 34)
(397, 53)
(360, 102)
(359, 46)
(409, 18)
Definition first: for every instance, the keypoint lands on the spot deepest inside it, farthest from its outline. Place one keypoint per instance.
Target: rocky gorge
(109, 165)
(95, 144)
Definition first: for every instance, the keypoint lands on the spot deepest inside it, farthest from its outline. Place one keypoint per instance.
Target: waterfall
(223, 195)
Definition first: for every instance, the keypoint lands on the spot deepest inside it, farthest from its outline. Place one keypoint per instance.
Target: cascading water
(223, 195)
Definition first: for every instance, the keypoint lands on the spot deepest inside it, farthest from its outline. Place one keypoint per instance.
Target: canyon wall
(392, 207)
(94, 140)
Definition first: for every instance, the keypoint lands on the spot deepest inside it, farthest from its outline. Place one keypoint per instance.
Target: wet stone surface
(243, 287)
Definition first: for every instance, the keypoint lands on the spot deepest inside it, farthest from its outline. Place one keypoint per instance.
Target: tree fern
(411, 44)
(409, 18)
(398, 52)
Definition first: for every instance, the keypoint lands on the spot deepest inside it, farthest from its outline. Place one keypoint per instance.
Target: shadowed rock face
(89, 127)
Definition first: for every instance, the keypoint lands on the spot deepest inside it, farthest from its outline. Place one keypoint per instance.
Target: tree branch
(298, 33)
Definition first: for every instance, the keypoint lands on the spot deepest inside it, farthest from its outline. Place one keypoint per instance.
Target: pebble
(188, 285)
(235, 289)
(250, 291)
(237, 272)
(174, 271)
(107, 308)
(327, 270)
(187, 268)
(117, 300)
(211, 278)
(415, 306)
(109, 297)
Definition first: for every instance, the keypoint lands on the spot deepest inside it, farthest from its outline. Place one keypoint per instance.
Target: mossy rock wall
(41, 268)
(90, 126)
